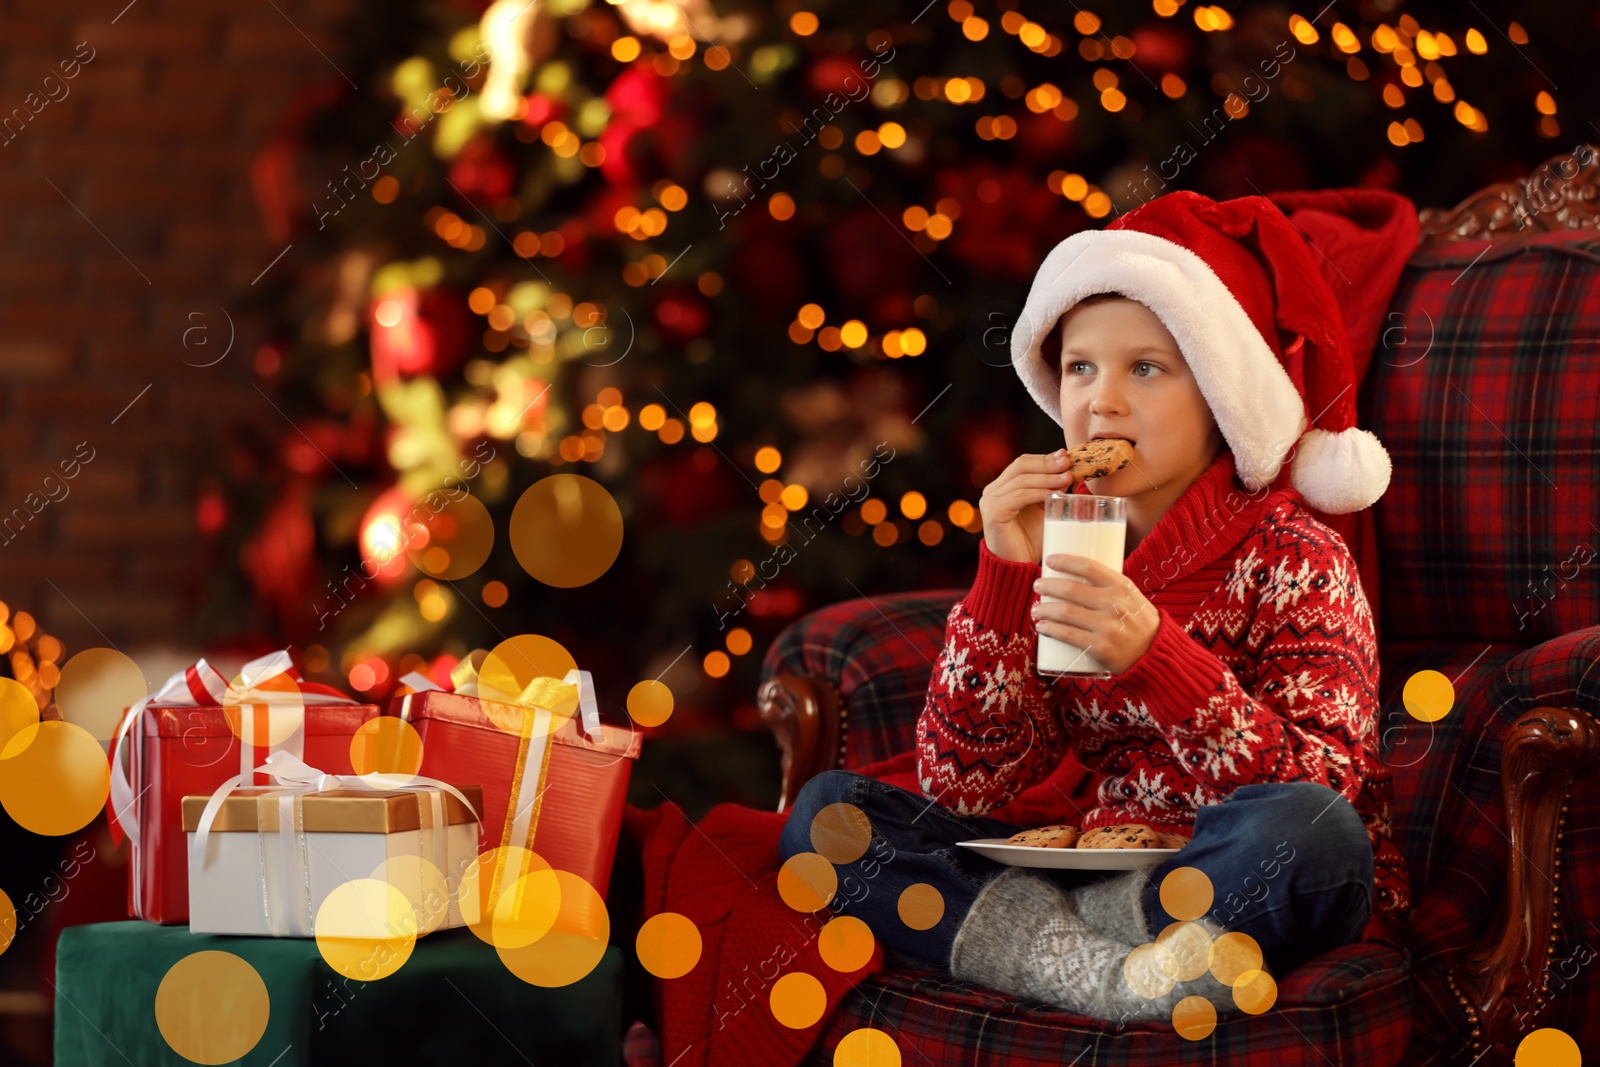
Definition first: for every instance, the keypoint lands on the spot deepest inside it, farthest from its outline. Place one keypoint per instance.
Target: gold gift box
(335, 811)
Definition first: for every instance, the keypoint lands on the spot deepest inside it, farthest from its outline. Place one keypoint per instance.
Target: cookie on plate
(1172, 840)
(1124, 835)
(1061, 836)
(1098, 458)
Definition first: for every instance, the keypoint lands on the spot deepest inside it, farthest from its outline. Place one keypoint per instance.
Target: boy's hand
(1105, 614)
(1012, 505)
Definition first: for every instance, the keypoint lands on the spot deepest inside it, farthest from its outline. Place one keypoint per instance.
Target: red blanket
(722, 873)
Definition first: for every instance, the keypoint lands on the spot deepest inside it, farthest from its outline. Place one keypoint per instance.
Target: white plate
(1072, 859)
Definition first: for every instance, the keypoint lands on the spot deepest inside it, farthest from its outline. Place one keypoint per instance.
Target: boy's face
(1122, 373)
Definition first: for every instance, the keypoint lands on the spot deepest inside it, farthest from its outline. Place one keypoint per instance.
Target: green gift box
(453, 1001)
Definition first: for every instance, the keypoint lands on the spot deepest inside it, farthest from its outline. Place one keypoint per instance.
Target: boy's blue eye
(1072, 367)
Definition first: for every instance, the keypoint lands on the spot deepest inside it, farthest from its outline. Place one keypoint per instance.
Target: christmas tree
(650, 326)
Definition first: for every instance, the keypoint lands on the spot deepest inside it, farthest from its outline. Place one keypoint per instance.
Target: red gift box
(181, 749)
(578, 814)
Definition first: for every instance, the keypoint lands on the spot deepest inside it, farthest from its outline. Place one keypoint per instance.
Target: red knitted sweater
(1264, 669)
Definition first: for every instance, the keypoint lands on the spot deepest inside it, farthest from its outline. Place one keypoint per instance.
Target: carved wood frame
(1503, 983)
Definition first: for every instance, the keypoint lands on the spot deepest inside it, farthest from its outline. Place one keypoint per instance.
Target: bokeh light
(212, 1007)
(452, 542)
(1428, 696)
(423, 885)
(668, 944)
(921, 906)
(266, 714)
(576, 941)
(18, 710)
(386, 746)
(514, 665)
(807, 882)
(1548, 1047)
(1186, 893)
(650, 703)
(846, 943)
(866, 1047)
(483, 885)
(54, 778)
(797, 1000)
(8, 922)
(566, 530)
(97, 686)
(1194, 1018)
(1255, 992)
(841, 833)
(365, 929)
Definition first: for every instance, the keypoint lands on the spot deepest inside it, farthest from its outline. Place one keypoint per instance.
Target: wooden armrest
(1560, 194)
(807, 716)
(1503, 984)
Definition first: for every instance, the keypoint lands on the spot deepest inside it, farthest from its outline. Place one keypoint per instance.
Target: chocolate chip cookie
(1061, 836)
(1098, 458)
(1124, 835)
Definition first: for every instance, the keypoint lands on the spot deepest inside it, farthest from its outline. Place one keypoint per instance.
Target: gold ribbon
(555, 696)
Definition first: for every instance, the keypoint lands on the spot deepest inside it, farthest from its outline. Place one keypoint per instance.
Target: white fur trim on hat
(1257, 407)
(1341, 471)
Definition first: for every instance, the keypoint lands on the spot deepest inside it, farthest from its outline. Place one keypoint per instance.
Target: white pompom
(1339, 472)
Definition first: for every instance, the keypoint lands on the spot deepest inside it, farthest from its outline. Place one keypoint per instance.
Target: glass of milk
(1079, 524)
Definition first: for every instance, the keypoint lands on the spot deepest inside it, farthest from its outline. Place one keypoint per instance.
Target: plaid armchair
(1486, 392)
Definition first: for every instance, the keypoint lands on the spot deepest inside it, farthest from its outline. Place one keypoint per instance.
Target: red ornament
(211, 510)
(481, 173)
(637, 99)
(542, 109)
(836, 74)
(988, 442)
(387, 531)
(417, 333)
(277, 559)
(682, 315)
(1161, 48)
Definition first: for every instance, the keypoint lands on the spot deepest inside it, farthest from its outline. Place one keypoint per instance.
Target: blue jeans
(1290, 864)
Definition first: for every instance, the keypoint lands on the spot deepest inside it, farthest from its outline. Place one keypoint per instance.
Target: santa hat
(1242, 292)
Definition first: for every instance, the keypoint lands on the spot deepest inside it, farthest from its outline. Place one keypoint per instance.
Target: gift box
(188, 738)
(262, 860)
(557, 789)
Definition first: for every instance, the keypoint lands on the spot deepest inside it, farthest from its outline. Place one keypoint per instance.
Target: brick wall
(151, 142)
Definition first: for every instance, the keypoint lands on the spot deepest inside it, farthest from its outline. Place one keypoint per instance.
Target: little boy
(1241, 707)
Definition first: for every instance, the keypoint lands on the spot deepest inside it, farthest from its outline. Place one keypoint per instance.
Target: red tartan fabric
(1353, 1005)
(1486, 392)
(1264, 669)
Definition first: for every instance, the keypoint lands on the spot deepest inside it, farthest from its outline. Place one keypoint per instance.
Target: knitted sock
(1022, 936)
(1114, 907)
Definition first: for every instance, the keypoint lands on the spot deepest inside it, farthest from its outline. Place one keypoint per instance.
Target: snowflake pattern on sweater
(1264, 668)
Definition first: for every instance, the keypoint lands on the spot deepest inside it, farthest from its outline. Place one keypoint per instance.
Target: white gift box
(271, 856)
